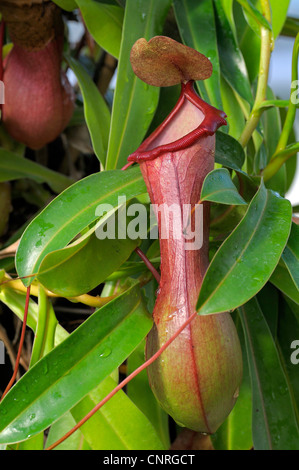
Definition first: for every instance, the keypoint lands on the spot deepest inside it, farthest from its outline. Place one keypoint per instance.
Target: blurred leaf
(249, 42)
(75, 367)
(282, 279)
(232, 63)
(274, 424)
(71, 212)
(141, 394)
(118, 425)
(61, 427)
(268, 300)
(104, 22)
(235, 116)
(193, 18)
(236, 431)
(247, 258)
(290, 254)
(67, 5)
(288, 330)
(218, 187)
(96, 111)
(14, 167)
(229, 152)
(134, 101)
(255, 17)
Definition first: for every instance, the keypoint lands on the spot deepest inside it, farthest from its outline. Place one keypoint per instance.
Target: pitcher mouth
(213, 119)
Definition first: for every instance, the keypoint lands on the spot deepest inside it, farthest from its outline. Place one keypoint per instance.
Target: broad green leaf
(14, 167)
(119, 425)
(272, 129)
(228, 151)
(87, 262)
(218, 187)
(236, 431)
(232, 63)
(67, 5)
(290, 254)
(141, 394)
(274, 423)
(15, 301)
(282, 279)
(288, 331)
(96, 111)
(104, 22)
(247, 258)
(249, 42)
(231, 106)
(75, 367)
(71, 212)
(255, 17)
(279, 11)
(61, 427)
(193, 18)
(134, 102)
(268, 299)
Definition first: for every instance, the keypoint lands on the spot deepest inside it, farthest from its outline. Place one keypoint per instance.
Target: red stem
(20, 345)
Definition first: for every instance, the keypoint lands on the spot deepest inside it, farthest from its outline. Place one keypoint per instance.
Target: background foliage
(48, 199)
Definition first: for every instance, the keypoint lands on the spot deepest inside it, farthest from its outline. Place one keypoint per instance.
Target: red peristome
(213, 118)
(197, 377)
(39, 100)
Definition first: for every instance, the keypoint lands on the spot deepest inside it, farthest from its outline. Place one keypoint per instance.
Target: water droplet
(32, 416)
(236, 394)
(45, 368)
(105, 353)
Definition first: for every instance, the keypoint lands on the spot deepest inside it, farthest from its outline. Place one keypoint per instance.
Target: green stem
(46, 326)
(282, 152)
(266, 49)
(290, 117)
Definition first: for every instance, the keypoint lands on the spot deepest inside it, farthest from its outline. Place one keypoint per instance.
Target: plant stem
(86, 299)
(266, 49)
(282, 152)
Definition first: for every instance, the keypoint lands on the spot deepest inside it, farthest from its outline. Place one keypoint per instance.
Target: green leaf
(61, 427)
(229, 152)
(232, 63)
(290, 254)
(96, 111)
(67, 5)
(193, 17)
(104, 22)
(218, 187)
(87, 262)
(141, 394)
(282, 279)
(288, 330)
(134, 102)
(75, 367)
(231, 106)
(71, 212)
(119, 425)
(236, 431)
(247, 258)
(274, 423)
(255, 14)
(14, 167)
